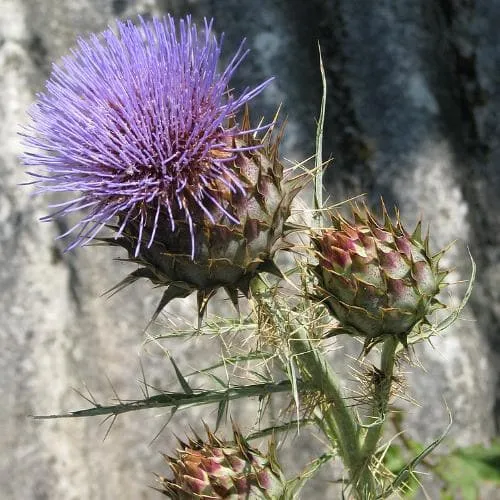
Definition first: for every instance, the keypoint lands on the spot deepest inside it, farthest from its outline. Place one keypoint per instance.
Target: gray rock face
(413, 106)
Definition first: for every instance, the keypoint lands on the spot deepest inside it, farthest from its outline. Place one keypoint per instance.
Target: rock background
(413, 108)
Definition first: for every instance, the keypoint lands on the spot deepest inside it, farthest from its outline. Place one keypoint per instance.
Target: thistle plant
(139, 126)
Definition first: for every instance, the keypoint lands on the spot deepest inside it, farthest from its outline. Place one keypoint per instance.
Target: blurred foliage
(462, 471)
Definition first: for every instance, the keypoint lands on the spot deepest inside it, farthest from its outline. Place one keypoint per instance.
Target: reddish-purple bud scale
(237, 464)
(368, 243)
(344, 241)
(194, 470)
(241, 484)
(394, 264)
(402, 295)
(382, 235)
(219, 452)
(264, 479)
(211, 465)
(377, 280)
(425, 278)
(404, 246)
(197, 486)
(367, 271)
(339, 259)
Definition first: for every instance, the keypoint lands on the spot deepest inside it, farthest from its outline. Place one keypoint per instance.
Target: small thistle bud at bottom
(376, 279)
(215, 469)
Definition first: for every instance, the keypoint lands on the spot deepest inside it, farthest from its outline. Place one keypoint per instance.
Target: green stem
(339, 422)
(382, 393)
(316, 370)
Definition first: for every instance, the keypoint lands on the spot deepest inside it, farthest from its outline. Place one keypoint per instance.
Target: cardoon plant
(140, 127)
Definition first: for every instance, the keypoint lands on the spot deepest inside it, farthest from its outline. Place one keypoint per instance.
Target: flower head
(213, 469)
(376, 279)
(140, 124)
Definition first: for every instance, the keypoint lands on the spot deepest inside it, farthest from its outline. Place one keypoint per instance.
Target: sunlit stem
(316, 371)
(338, 421)
(381, 396)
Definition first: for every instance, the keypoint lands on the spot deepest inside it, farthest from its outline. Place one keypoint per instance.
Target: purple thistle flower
(140, 123)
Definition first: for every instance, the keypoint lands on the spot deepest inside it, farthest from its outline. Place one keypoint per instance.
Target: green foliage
(463, 471)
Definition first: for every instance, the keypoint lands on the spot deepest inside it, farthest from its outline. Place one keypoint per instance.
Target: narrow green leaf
(182, 400)
(276, 429)
(218, 380)
(221, 412)
(318, 167)
(406, 472)
(293, 487)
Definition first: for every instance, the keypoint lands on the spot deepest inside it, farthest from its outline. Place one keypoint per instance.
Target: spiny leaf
(407, 471)
(183, 400)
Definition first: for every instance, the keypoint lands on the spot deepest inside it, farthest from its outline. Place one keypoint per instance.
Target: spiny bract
(219, 470)
(232, 245)
(376, 279)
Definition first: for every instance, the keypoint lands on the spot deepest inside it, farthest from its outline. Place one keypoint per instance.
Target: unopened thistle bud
(214, 469)
(376, 279)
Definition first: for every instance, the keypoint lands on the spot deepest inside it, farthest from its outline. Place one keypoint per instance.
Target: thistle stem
(341, 425)
(339, 422)
(316, 371)
(381, 396)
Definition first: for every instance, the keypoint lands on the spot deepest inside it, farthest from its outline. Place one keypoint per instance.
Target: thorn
(142, 272)
(269, 266)
(173, 291)
(234, 297)
(358, 217)
(385, 217)
(203, 297)
(438, 255)
(417, 233)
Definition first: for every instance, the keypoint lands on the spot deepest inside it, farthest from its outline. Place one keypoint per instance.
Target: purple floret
(137, 123)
